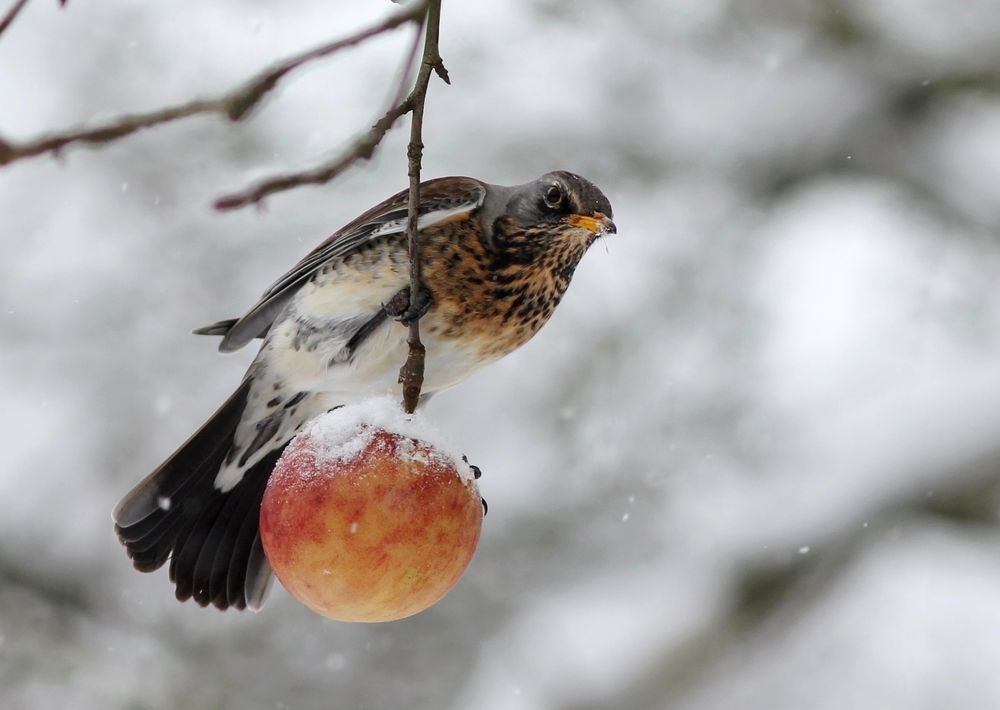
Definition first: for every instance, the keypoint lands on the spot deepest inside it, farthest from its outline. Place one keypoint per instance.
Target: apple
(365, 520)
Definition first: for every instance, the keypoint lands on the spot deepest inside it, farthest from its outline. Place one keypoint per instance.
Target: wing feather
(441, 200)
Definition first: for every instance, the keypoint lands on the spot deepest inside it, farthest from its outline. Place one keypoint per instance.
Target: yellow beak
(598, 223)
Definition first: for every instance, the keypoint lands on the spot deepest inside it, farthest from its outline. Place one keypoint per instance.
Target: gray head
(558, 205)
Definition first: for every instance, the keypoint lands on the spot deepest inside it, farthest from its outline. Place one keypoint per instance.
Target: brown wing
(440, 199)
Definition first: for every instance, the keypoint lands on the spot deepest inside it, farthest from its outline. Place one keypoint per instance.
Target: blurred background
(753, 460)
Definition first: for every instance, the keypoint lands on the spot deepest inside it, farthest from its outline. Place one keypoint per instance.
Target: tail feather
(152, 559)
(231, 585)
(259, 577)
(218, 328)
(223, 327)
(150, 553)
(202, 564)
(210, 536)
(217, 542)
(190, 544)
(153, 496)
(241, 522)
(150, 528)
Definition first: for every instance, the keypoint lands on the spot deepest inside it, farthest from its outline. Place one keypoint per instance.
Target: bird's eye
(553, 196)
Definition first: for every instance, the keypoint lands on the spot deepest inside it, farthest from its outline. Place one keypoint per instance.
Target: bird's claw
(400, 308)
(477, 474)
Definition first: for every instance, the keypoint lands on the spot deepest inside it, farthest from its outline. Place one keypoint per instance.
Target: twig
(411, 374)
(362, 148)
(241, 101)
(234, 104)
(11, 15)
(112, 130)
(406, 74)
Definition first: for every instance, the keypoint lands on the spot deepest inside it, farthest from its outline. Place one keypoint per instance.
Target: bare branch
(242, 100)
(112, 130)
(411, 374)
(363, 148)
(11, 15)
(406, 73)
(234, 104)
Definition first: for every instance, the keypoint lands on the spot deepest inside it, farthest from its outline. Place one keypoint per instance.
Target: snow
(768, 356)
(345, 432)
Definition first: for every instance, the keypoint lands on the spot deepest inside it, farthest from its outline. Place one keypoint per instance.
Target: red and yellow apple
(378, 531)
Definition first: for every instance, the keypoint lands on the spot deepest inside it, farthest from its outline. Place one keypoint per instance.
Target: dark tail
(211, 538)
(220, 328)
(223, 327)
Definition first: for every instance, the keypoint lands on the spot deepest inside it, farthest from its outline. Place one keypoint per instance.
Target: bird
(495, 260)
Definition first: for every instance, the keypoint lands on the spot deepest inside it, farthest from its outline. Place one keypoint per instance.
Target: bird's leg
(400, 308)
(477, 474)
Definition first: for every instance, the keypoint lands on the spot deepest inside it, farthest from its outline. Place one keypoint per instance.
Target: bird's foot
(476, 471)
(477, 474)
(400, 308)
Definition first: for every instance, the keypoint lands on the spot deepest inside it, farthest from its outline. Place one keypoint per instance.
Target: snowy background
(754, 459)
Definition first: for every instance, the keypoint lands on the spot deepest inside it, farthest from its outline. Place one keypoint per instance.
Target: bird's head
(559, 211)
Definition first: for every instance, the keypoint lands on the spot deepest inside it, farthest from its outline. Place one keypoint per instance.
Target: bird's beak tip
(598, 223)
(605, 225)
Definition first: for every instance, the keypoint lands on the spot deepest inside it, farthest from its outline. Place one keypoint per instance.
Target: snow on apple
(368, 515)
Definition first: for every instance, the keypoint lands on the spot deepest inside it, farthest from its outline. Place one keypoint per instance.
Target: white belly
(310, 360)
(372, 370)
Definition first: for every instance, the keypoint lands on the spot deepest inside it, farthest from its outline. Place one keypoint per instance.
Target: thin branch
(112, 130)
(241, 101)
(234, 104)
(406, 74)
(11, 15)
(362, 148)
(411, 374)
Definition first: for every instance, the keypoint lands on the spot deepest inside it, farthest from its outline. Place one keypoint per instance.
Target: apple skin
(377, 536)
